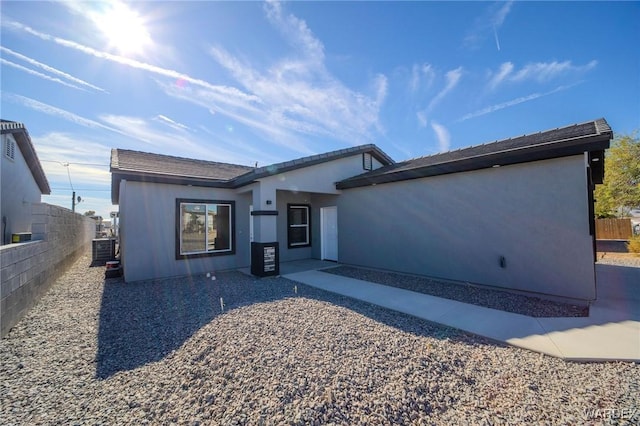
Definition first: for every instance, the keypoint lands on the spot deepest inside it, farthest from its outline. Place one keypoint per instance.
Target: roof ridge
(601, 127)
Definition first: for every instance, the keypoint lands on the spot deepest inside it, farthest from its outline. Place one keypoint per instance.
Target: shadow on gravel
(144, 322)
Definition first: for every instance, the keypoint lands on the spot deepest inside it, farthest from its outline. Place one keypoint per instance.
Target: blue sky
(247, 82)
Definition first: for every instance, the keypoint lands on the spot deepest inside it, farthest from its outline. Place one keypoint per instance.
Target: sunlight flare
(123, 27)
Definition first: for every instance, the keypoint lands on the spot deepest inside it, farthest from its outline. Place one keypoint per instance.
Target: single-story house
(516, 213)
(22, 180)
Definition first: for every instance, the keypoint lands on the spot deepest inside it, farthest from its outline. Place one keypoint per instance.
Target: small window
(367, 161)
(298, 223)
(10, 148)
(204, 228)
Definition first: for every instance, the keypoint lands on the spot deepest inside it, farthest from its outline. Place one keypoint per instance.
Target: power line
(79, 189)
(77, 164)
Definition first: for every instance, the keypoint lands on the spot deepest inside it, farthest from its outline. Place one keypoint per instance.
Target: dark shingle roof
(23, 140)
(147, 167)
(124, 160)
(590, 136)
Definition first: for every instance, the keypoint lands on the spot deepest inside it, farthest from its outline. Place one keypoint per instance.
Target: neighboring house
(23, 179)
(516, 214)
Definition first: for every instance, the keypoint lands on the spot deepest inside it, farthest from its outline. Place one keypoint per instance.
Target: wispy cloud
(295, 31)
(298, 93)
(50, 69)
(546, 71)
(513, 102)
(38, 74)
(295, 97)
(540, 72)
(179, 142)
(452, 78)
(176, 75)
(64, 155)
(505, 70)
(488, 24)
(421, 76)
(443, 136)
(422, 117)
(171, 123)
(58, 112)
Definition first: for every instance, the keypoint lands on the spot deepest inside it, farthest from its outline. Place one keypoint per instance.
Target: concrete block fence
(28, 269)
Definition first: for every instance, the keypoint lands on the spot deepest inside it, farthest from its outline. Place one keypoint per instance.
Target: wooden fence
(613, 229)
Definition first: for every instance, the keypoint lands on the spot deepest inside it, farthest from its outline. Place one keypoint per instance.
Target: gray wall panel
(148, 233)
(458, 226)
(18, 192)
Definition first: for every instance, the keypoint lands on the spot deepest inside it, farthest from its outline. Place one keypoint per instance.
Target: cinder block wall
(29, 269)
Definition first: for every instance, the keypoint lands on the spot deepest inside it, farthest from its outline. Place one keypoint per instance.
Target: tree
(90, 213)
(620, 191)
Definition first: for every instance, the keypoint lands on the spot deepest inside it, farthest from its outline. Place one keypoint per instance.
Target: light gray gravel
(626, 261)
(476, 295)
(103, 352)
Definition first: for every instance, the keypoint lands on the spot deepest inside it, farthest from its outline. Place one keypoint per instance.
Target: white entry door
(329, 233)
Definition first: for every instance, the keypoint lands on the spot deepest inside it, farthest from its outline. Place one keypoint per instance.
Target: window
(10, 148)
(204, 228)
(298, 224)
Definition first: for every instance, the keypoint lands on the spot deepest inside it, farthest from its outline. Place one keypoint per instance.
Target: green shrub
(633, 246)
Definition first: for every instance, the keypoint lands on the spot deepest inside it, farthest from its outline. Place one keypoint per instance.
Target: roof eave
(118, 175)
(502, 158)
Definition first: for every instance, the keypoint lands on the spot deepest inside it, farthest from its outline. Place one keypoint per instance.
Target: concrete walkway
(610, 333)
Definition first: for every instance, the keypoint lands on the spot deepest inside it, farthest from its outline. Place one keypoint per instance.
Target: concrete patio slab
(610, 341)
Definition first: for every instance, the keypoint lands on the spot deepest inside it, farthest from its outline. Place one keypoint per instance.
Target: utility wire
(79, 189)
(78, 164)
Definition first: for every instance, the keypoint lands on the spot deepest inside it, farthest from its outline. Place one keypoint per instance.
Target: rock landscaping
(239, 350)
(474, 294)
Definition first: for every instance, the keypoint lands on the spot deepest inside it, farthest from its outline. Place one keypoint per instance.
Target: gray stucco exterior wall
(316, 202)
(148, 227)
(458, 226)
(18, 192)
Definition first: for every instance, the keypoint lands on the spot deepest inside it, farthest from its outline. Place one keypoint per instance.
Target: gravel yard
(477, 295)
(620, 259)
(97, 351)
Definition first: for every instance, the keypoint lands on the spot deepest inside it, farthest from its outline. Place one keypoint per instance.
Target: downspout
(592, 225)
(4, 230)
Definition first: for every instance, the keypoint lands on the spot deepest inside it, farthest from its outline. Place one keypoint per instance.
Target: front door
(329, 233)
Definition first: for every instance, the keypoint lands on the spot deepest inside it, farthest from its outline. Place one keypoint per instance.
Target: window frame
(178, 228)
(290, 226)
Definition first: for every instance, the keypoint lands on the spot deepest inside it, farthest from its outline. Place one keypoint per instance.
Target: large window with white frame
(298, 225)
(204, 228)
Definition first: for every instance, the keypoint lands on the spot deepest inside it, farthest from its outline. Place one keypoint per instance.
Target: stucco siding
(316, 202)
(297, 253)
(320, 178)
(19, 191)
(458, 226)
(148, 231)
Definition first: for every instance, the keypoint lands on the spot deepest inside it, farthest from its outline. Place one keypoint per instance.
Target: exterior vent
(10, 148)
